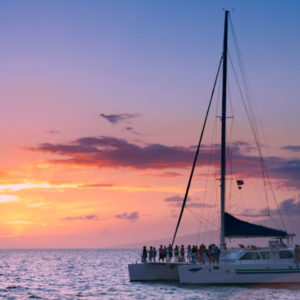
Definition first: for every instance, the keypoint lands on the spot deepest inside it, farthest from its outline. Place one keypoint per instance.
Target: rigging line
(244, 78)
(240, 196)
(251, 116)
(245, 82)
(249, 109)
(231, 157)
(250, 99)
(265, 173)
(211, 159)
(198, 218)
(214, 190)
(197, 152)
(254, 132)
(206, 185)
(275, 198)
(243, 74)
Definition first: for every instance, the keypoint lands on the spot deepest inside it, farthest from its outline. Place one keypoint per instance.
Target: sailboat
(273, 264)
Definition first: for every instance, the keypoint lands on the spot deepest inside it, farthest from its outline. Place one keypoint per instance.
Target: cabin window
(250, 256)
(265, 255)
(285, 254)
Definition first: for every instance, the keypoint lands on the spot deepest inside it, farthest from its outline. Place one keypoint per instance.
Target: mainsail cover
(235, 228)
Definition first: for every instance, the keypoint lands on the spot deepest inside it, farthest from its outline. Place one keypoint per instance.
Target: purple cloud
(199, 204)
(52, 131)
(294, 148)
(287, 170)
(245, 147)
(164, 174)
(117, 118)
(86, 218)
(133, 216)
(289, 207)
(112, 152)
(131, 130)
(177, 201)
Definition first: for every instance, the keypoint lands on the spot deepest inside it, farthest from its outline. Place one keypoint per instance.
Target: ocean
(103, 274)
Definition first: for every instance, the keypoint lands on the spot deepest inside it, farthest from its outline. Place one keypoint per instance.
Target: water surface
(103, 274)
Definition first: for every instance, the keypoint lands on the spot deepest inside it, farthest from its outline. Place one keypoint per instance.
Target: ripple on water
(103, 274)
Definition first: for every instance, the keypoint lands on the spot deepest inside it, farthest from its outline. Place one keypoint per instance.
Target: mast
(223, 133)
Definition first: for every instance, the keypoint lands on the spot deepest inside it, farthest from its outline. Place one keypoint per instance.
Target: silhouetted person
(176, 253)
(154, 254)
(170, 252)
(182, 253)
(150, 254)
(144, 254)
(161, 253)
(165, 253)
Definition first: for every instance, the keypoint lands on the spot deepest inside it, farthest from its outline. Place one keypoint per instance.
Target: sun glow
(14, 187)
(8, 198)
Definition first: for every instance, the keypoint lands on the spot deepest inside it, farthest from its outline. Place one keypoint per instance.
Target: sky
(102, 104)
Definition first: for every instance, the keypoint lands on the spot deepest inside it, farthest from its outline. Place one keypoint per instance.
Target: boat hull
(239, 274)
(153, 271)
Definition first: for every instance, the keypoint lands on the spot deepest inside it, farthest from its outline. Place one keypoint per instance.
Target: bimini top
(235, 228)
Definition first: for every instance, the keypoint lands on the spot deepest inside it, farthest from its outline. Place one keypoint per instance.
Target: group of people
(149, 254)
(194, 254)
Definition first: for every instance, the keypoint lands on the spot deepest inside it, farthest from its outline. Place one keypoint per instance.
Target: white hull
(239, 274)
(154, 271)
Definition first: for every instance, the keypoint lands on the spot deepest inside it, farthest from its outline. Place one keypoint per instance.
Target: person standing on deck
(144, 254)
(170, 252)
(216, 254)
(176, 253)
(161, 253)
(201, 252)
(150, 254)
(165, 253)
(154, 254)
(182, 258)
(194, 254)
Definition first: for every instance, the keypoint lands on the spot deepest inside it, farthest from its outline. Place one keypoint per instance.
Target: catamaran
(252, 265)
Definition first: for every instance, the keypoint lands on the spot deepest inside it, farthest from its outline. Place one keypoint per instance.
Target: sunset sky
(102, 106)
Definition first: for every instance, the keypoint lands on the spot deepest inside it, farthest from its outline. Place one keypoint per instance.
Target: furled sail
(235, 228)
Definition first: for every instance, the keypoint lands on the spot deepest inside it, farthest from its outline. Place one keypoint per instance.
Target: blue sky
(63, 63)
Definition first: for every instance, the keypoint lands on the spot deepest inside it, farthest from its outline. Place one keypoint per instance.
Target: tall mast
(223, 133)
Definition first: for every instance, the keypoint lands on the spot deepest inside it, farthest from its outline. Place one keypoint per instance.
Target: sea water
(103, 274)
